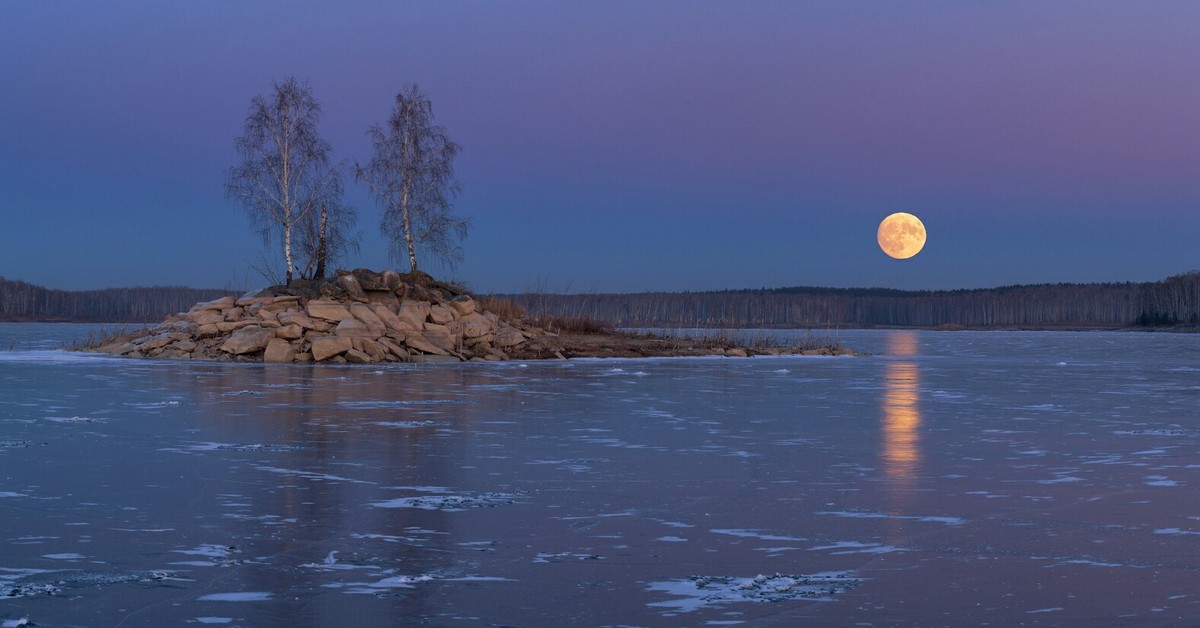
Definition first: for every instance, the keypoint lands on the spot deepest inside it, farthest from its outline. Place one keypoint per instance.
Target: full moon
(901, 235)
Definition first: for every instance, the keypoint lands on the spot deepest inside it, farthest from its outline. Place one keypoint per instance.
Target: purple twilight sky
(626, 146)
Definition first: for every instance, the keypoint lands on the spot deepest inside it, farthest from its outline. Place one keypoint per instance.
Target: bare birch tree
(412, 176)
(325, 236)
(285, 171)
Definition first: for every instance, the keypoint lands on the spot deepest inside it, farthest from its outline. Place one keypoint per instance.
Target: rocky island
(368, 317)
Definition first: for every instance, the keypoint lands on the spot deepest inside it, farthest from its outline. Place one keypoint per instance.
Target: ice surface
(955, 475)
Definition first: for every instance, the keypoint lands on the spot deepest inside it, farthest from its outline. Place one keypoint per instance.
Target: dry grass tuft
(574, 325)
(99, 338)
(505, 309)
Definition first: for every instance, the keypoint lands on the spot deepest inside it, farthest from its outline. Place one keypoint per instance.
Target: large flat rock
(326, 347)
(328, 310)
(248, 339)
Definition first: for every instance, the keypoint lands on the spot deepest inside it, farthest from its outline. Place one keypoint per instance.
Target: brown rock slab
(391, 279)
(327, 310)
(248, 301)
(248, 339)
(367, 316)
(417, 340)
(463, 304)
(279, 350)
(440, 314)
(223, 303)
(301, 319)
(206, 317)
(155, 342)
(353, 288)
(373, 349)
(326, 347)
(353, 328)
(396, 350)
(290, 332)
(281, 303)
(440, 336)
(389, 318)
(476, 329)
(414, 313)
(228, 326)
(509, 337)
(355, 356)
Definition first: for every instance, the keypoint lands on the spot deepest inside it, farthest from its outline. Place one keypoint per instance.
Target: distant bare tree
(285, 173)
(412, 176)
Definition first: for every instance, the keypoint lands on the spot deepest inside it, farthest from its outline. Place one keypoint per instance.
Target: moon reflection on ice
(901, 450)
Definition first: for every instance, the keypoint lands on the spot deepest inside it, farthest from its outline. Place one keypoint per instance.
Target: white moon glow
(901, 235)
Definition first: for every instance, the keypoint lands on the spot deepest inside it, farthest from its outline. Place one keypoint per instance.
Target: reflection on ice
(901, 416)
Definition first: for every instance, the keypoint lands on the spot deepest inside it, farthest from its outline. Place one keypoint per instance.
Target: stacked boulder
(360, 317)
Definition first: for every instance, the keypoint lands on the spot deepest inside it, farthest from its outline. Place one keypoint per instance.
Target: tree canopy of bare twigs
(286, 175)
(411, 174)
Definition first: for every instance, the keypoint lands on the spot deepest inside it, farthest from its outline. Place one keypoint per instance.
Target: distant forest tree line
(1172, 301)
(21, 301)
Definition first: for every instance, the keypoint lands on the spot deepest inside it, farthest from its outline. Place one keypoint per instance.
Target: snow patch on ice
(950, 521)
(697, 592)
(1177, 531)
(75, 419)
(312, 475)
(558, 557)
(1062, 479)
(857, 547)
(239, 596)
(154, 404)
(410, 424)
(755, 534)
(1154, 432)
(412, 403)
(450, 503)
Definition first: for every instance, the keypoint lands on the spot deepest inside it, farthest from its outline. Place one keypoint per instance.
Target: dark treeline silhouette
(21, 301)
(1172, 301)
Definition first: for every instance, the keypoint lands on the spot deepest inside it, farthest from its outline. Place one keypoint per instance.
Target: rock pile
(360, 316)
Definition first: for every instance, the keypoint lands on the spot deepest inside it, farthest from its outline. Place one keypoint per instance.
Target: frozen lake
(956, 478)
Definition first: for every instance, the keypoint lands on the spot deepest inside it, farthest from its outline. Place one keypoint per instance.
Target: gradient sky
(618, 146)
